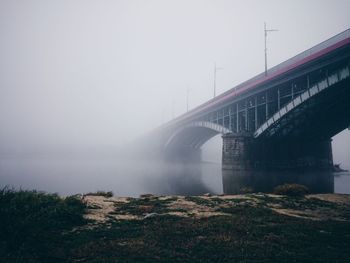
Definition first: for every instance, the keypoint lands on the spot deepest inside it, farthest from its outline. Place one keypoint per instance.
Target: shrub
(101, 193)
(32, 223)
(291, 190)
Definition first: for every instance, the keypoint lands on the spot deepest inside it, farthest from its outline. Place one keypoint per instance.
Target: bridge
(274, 123)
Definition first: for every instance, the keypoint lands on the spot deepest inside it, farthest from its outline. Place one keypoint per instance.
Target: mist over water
(69, 174)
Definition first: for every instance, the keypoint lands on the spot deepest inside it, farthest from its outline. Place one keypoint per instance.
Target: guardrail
(312, 91)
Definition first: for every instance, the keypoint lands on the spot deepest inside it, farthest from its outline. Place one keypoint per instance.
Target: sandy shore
(102, 209)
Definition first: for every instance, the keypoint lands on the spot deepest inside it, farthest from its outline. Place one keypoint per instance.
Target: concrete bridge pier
(261, 165)
(236, 162)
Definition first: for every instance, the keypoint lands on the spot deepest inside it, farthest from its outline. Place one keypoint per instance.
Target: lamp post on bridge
(215, 70)
(265, 35)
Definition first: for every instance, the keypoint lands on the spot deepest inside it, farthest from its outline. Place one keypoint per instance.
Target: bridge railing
(340, 75)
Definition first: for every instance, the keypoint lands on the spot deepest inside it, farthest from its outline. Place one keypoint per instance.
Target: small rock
(150, 215)
(207, 194)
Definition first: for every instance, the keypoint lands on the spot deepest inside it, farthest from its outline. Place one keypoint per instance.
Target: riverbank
(237, 228)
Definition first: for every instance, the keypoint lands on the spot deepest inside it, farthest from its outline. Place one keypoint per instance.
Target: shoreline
(206, 228)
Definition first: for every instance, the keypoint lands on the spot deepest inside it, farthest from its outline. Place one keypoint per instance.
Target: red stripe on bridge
(261, 80)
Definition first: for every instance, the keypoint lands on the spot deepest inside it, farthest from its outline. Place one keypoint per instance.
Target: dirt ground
(102, 209)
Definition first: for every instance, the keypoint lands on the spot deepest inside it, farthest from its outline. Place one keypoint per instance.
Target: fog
(86, 77)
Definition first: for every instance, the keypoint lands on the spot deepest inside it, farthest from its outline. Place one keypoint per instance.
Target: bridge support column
(236, 162)
(262, 165)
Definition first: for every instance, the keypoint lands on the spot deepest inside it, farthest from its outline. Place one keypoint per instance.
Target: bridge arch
(194, 134)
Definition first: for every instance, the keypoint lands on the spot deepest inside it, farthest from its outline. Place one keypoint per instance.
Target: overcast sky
(80, 72)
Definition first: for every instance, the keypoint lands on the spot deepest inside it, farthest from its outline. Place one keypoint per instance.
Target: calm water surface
(71, 175)
(342, 183)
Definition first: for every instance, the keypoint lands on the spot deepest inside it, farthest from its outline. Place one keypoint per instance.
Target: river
(70, 175)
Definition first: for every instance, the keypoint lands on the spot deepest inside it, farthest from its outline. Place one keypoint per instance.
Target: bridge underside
(193, 137)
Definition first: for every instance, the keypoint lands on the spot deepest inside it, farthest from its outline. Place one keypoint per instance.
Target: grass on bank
(291, 190)
(39, 227)
(32, 225)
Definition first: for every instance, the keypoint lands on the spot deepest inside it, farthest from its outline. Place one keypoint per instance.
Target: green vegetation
(212, 202)
(199, 200)
(39, 227)
(143, 206)
(291, 190)
(101, 193)
(33, 225)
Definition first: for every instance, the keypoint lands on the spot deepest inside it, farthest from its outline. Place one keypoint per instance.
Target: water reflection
(180, 179)
(71, 175)
(236, 181)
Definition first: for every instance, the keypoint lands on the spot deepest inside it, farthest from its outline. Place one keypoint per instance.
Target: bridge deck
(293, 63)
